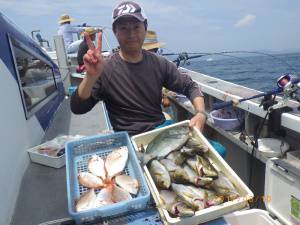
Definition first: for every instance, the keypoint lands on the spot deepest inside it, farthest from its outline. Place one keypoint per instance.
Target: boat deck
(43, 192)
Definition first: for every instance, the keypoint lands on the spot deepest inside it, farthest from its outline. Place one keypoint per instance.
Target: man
(67, 30)
(130, 81)
(83, 47)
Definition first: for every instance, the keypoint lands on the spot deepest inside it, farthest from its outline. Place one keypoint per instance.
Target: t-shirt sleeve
(179, 82)
(79, 106)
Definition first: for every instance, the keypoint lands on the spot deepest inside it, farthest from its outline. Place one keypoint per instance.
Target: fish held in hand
(160, 174)
(116, 161)
(128, 183)
(90, 180)
(86, 201)
(96, 166)
(167, 141)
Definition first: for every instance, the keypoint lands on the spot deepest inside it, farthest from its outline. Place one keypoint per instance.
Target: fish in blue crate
(106, 175)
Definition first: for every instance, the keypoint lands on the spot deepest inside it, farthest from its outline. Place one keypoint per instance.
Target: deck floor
(43, 192)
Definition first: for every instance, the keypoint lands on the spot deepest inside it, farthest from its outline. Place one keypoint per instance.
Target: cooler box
(203, 215)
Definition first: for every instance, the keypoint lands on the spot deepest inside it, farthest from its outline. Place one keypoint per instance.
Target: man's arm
(82, 101)
(74, 29)
(183, 83)
(200, 116)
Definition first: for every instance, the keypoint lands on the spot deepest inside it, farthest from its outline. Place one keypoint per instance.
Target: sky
(183, 25)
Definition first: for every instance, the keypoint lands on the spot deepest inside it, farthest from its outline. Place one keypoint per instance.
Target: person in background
(67, 30)
(130, 81)
(151, 42)
(83, 47)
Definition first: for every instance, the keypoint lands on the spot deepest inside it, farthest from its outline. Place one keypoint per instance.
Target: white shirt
(67, 30)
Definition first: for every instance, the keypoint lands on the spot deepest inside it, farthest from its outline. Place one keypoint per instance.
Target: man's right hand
(93, 59)
(94, 64)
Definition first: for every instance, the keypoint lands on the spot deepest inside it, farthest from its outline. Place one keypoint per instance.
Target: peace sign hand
(93, 59)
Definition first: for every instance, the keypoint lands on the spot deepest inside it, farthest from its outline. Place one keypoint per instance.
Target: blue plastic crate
(77, 155)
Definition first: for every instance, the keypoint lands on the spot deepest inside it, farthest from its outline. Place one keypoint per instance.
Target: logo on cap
(127, 8)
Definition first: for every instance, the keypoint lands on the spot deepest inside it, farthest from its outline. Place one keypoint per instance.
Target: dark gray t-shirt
(132, 92)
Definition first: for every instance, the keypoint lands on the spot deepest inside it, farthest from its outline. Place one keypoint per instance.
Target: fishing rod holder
(181, 57)
(287, 84)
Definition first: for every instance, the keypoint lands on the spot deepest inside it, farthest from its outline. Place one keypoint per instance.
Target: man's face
(130, 33)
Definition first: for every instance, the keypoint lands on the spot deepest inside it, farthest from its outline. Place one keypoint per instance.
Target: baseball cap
(128, 8)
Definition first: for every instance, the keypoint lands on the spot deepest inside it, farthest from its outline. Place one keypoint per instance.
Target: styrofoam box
(219, 163)
(56, 162)
(250, 217)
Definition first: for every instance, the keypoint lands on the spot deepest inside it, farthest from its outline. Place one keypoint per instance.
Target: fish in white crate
(167, 141)
(176, 173)
(160, 174)
(195, 198)
(174, 205)
(224, 187)
(194, 178)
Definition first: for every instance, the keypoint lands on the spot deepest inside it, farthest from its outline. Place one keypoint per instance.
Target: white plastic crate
(203, 215)
(77, 155)
(56, 143)
(35, 156)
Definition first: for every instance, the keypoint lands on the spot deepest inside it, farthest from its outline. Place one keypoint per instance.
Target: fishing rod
(286, 85)
(185, 56)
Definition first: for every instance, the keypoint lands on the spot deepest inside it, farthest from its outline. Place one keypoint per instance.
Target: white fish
(90, 180)
(104, 197)
(128, 183)
(116, 161)
(119, 194)
(96, 166)
(86, 201)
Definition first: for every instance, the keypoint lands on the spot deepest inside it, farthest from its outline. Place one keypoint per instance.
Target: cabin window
(36, 77)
